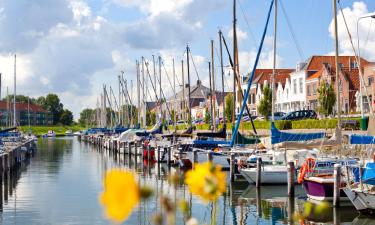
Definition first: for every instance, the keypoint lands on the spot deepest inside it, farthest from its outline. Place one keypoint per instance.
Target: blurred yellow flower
(121, 194)
(207, 181)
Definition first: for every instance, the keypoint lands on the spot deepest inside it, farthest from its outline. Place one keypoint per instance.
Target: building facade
(25, 114)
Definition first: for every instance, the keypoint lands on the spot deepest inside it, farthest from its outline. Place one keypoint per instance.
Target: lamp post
(361, 84)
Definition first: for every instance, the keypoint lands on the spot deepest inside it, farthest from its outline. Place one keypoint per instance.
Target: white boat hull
(217, 159)
(269, 175)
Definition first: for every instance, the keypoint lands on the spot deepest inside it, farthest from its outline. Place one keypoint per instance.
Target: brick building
(38, 116)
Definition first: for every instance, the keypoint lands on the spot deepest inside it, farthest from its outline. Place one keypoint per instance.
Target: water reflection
(60, 185)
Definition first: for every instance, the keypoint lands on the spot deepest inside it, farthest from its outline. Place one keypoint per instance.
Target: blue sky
(72, 47)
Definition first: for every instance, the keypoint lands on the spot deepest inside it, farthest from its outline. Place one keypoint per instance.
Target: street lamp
(359, 63)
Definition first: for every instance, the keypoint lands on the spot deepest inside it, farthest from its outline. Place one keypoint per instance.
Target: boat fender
(307, 166)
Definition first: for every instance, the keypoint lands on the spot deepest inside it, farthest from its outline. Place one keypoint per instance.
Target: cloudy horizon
(72, 47)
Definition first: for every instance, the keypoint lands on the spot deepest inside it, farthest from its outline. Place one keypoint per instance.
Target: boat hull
(363, 202)
(267, 176)
(321, 191)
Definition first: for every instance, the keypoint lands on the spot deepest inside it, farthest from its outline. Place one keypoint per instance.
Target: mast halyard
(274, 66)
(213, 93)
(338, 135)
(234, 62)
(222, 75)
(188, 73)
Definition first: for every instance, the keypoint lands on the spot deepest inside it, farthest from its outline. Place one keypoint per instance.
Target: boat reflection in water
(62, 183)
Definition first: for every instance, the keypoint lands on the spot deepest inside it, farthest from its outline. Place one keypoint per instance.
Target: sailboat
(319, 185)
(272, 174)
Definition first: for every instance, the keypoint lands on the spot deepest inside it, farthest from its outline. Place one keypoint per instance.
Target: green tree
(86, 117)
(20, 99)
(207, 116)
(229, 106)
(326, 99)
(265, 104)
(66, 117)
(52, 104)
(150, 118)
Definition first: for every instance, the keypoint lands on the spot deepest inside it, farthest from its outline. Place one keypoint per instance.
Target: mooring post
(195, 157)
(232, 166)
(158, 158)
(360, 176)
(169, 149)
(148, 152)
(210, 156)
(259, 172)
(6, 162)
(291, 173)
(129, 148)
(336, 185)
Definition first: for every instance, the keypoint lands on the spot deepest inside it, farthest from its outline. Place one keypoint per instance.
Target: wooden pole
(169, 149)
(210, 156)
(336, 185)
(291, 173)
(232, 167)
(259, 172)
(159, 159)
(195, 157)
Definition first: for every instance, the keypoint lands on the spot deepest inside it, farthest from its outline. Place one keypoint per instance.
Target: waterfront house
(24, 112)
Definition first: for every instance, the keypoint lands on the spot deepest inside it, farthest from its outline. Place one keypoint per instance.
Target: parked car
(180, 122)
(198, 121)
(300, 115)
(277, 115)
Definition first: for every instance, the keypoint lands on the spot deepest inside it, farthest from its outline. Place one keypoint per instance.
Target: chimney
(199, 82)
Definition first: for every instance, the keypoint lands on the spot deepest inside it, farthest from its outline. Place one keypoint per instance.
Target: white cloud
(241, 35)
(366, 31)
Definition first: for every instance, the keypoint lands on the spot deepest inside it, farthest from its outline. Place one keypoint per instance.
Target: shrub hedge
(282, 124)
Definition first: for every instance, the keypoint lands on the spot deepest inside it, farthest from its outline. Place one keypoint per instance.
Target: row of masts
(145, 92)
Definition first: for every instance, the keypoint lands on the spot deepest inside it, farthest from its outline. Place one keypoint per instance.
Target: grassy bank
(40, 130)
(283, 125)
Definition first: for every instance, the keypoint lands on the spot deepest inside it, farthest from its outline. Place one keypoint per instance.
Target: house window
(301, 85)
(295, 86)
(370, 80)
(354, 65)
(340, 85)
(308, 90)
(314, 89)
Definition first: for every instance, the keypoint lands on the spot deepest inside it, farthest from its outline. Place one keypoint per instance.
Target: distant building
(38, 115)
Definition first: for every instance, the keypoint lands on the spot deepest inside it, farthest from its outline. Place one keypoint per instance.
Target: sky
(73, 47)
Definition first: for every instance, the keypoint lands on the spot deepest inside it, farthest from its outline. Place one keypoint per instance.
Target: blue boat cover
(278, 136)
(361, 139)
(209, 143)
(368, 176)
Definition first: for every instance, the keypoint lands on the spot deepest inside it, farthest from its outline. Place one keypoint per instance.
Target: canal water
(62, 182)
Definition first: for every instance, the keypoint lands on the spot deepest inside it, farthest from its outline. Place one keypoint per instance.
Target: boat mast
(160, 94)
(174, 94)
(15, 91)
(138, 94)
(337, 76)
(131, 105)
(235, 62)
(222, 75)
(119, 100)
(188, 73)
(183, 91)
(274, 66)
(143, 93)
(213, 95)
(211, 105)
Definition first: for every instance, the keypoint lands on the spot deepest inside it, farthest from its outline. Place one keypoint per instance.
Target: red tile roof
(315, 75)
(265, 74)
(316, 61)
(22, 107)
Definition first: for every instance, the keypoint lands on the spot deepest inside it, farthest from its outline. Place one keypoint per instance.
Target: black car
(300, 115)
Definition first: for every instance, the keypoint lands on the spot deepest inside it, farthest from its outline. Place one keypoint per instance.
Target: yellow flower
(207, 181)
(121, 194)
